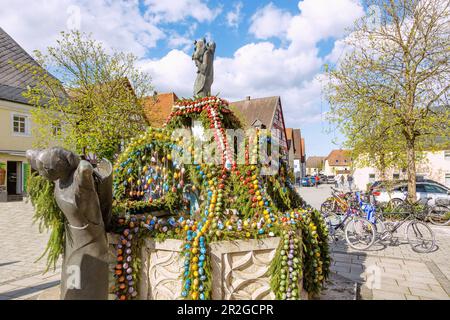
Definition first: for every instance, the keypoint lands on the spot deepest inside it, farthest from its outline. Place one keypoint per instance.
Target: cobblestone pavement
(21, 277)
(391, 271)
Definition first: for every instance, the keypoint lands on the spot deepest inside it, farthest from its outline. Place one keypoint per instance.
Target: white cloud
(174, 72)
(270, 21)
(177, 10)
(119, 24)
(322, 19)
(262, 69)
(234, 16)
(185, 42)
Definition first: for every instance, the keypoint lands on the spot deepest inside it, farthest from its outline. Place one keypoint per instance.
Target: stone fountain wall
(240, 269)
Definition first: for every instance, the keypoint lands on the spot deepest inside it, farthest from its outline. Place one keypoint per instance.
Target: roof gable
(262, 109)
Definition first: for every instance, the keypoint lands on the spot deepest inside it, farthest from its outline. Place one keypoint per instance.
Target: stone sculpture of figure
(81, 193)
(203, 57)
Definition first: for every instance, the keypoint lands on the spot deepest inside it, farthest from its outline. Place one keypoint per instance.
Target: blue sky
(264, 48)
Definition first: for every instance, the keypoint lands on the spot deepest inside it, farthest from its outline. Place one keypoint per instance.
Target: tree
(389, 94)
(96, 101)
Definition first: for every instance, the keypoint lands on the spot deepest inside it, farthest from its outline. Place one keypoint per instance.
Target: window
(371, 177)
(396, 176)
(56, 129)
(420, 188)
(19, 124)
(447, 155)
(430, 188)
(447, 179)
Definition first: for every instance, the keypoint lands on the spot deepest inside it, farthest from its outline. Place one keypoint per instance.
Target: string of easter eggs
(125, 270)
(291, 267)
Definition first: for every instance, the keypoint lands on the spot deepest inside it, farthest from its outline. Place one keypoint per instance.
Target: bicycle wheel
(327, 207)
(440, 215)
(360, 233)
(420, 236)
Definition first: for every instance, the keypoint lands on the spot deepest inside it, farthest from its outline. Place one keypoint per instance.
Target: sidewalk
(21, 277)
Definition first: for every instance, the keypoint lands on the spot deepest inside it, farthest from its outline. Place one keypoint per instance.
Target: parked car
(308, 181)
(424, 190)
(330, 180)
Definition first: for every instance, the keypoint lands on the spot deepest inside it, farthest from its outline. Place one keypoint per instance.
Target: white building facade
(435, 166)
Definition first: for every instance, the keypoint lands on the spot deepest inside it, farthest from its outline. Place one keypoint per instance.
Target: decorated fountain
(190, 224)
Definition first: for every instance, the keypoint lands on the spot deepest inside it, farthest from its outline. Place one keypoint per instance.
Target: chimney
(247, 98)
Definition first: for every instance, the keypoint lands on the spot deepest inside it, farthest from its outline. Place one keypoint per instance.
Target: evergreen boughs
(49, 217)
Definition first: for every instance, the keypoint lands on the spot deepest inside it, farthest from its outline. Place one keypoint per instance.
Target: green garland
(49, 217)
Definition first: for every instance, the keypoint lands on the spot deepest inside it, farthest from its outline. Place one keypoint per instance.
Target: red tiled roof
(158, 108)
(315, 162)
(297, 143)
(339, 158)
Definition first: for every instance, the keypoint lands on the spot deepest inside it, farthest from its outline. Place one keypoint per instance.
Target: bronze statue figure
(203, 57)
(83, 193)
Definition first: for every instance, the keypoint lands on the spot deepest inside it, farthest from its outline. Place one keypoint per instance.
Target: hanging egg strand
(291, 268)
(125, 279)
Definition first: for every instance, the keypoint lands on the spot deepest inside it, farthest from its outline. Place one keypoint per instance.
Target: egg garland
(236, 202)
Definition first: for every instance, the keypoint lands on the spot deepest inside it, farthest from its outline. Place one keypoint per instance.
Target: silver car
(424, 190)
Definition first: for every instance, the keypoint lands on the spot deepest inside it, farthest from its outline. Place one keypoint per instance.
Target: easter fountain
(190, 225)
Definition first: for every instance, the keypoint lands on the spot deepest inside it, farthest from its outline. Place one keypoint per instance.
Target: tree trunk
(411, 169)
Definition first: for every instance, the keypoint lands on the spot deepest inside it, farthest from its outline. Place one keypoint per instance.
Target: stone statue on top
(203, 57)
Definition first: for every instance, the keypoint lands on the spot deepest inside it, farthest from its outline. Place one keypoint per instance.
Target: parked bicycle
(438, 214)
(418, 234)
(337, 221)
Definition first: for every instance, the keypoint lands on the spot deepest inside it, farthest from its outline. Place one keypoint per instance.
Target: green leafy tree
(389, 93)
(95, 100)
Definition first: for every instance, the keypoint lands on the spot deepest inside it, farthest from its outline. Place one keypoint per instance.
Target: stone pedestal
(240, 269)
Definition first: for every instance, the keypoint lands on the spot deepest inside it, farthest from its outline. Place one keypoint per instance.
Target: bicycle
(418, 234)
(360, 232)
(438, 214)
(336, 221)
(338, 203)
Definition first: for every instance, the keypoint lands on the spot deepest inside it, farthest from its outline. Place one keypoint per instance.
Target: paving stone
(441, 295)
(393, 288)
(387, 295)
(411, 297)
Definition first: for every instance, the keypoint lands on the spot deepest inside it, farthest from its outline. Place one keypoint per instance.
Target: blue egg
(202, 296)
(184, 294)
